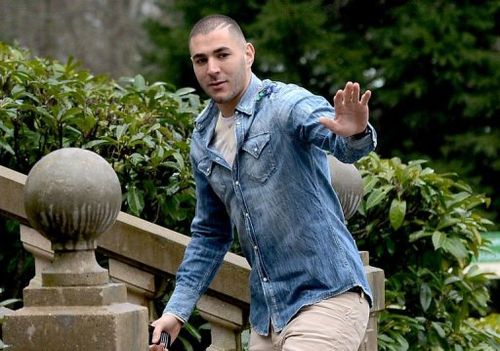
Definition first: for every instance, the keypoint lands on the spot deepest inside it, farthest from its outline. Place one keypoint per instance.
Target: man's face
(222, 65)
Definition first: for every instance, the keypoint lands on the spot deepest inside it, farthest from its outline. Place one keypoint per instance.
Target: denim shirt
(278, 197)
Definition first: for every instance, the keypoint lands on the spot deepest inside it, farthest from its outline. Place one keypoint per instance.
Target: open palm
(351, 112)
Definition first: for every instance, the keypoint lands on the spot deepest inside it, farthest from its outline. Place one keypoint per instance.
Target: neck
(227, 109)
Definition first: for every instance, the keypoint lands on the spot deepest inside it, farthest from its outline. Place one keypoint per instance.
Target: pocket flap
(205, 166)
(255, 144)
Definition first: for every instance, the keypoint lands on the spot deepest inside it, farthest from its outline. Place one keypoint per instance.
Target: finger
(329, 123)
(348, 92)
(366, 97)
(338, 98)
(355, 92)
(156, 335)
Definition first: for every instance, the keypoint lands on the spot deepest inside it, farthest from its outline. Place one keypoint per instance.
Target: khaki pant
(338, 323)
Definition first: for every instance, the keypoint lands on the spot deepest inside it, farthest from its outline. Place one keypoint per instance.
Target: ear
(249, 54)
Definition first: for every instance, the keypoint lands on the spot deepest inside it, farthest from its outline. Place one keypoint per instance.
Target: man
(259, 159)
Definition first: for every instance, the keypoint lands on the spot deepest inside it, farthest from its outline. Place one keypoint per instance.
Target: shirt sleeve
(210, 240)
(304, 112)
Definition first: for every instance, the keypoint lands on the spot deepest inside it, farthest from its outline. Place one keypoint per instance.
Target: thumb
(331, 124)
(156, 335)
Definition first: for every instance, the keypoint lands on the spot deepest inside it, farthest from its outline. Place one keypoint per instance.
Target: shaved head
(213, 22)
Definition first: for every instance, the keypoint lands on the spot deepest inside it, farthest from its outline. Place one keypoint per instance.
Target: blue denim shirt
(278, 196)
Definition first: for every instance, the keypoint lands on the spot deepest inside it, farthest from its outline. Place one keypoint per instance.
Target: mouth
(216, 84)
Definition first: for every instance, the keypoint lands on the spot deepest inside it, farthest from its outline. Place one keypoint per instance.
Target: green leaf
(437, 327)
(7, 147)
(451, 280)
(438, 239)
(457, 199)
(384, 337)
(135, 200)
(447, 221)
(179, 159)
(397, 213)
(121, 130)
(186, 344)
(193, 331)
(139, 83)
(425, 296)
(455, 247)
(418, 235)
(9, 302)
(94, 143)
(136, 158)
(184, 91)
(369, 181)
(376, 196)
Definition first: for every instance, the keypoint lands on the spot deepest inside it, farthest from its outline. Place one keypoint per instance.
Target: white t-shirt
(224, 139)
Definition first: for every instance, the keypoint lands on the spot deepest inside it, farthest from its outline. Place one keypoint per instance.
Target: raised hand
(351, 112)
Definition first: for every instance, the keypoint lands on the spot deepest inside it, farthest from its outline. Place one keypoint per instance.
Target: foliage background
(141, 129)
(424, 230)
(421, 228)
(433, 67)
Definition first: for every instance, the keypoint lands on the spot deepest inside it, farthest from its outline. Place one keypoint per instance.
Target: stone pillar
(71, 197)
(376, 280)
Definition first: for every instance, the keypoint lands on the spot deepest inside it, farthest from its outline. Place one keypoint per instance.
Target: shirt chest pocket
(257, 160)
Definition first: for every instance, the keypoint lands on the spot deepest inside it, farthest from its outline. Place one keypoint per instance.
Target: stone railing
(142, 254)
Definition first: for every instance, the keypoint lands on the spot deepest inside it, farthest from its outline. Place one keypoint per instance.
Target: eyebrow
(216, 51)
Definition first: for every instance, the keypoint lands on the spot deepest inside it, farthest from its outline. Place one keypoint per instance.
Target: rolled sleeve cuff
(369, 141)
(182, 303)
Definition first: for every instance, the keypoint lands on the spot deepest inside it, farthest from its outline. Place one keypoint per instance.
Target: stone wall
(106, 36)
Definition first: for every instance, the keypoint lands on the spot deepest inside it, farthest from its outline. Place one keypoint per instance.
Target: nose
(212, 66)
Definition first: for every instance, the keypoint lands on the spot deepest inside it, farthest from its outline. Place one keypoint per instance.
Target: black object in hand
(164, 337)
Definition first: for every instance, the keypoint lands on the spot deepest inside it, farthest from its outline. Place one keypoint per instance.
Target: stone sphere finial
(347, 182)
(71, 196)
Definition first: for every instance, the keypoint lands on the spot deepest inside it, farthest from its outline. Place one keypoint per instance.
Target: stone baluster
(71, 197)
(226, 323)
(376, 280)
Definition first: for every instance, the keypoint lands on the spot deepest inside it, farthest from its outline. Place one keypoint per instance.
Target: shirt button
(255, 248)
(247, 215)
(218, 159)
(264, 279)
(237, 183)
(208, 169)
(255, 149)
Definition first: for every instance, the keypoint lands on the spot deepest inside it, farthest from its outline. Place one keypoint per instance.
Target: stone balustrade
(141, 255)
(71, 196)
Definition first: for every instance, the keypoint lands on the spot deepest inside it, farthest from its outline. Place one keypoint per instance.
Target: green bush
(423, 229)
(141, 129)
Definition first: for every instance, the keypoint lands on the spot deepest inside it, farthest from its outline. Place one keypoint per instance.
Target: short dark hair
(212, 22)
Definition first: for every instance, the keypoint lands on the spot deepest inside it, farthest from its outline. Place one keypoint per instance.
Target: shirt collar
(247, 101)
